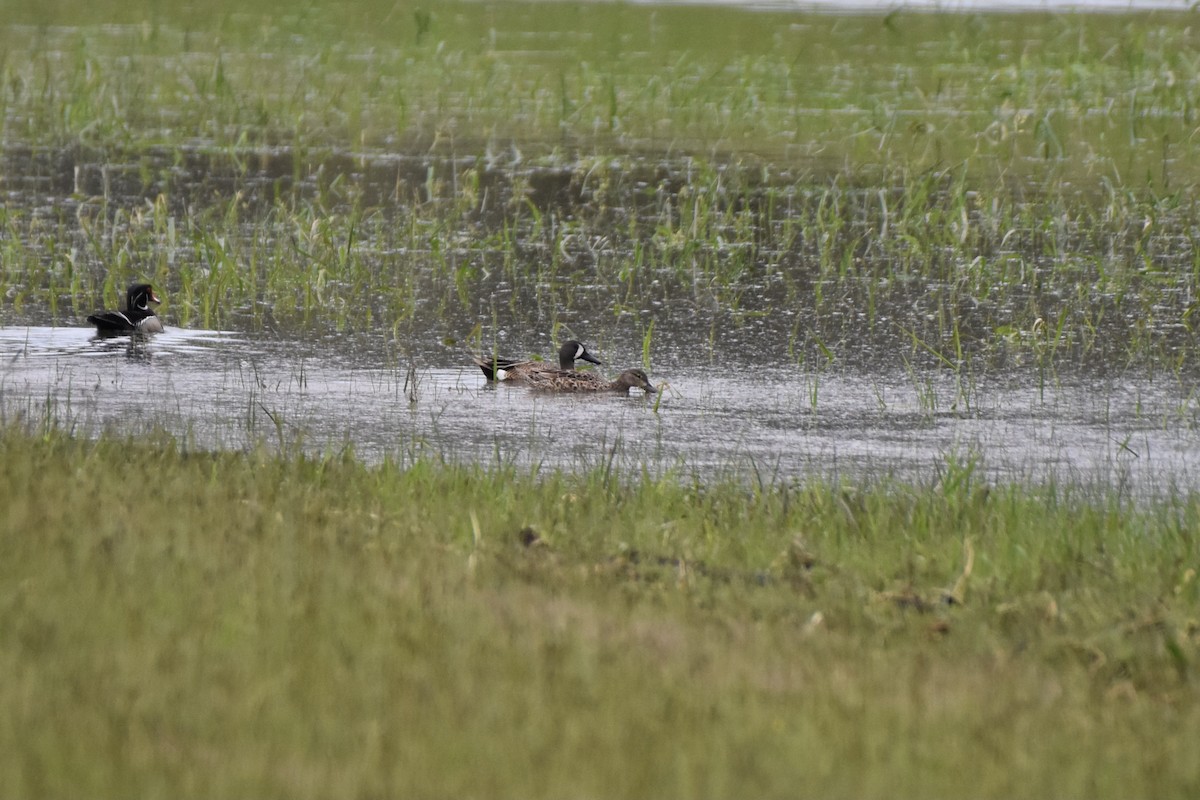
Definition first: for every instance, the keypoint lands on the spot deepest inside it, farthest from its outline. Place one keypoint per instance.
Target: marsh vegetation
(954, 190)
(876, 227)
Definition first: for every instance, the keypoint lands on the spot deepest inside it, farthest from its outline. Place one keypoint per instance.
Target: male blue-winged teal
(558, 380)
(137, 317)
(518, 371)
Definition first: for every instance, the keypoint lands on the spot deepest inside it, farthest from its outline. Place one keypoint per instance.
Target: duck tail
(488, 365)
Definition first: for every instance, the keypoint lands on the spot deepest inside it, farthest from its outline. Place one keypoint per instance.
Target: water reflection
(222, 390)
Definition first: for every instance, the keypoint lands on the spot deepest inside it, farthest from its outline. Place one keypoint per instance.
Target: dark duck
(519, 371)
(137, 317)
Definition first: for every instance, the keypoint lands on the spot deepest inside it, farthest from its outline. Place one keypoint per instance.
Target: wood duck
(137, 317)
(557, 380)
(517, 371)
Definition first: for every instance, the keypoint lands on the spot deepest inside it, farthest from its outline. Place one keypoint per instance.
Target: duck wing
(111, 322)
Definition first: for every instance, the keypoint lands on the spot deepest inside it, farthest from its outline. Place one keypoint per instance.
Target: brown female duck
(558, 380)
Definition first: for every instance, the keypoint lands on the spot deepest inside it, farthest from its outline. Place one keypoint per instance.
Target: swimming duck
(137, 317)
(558, 380)
(517, 371)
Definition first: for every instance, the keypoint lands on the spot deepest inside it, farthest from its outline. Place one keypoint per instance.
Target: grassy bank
(191, 624)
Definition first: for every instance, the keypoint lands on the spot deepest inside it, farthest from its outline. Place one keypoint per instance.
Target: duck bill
(586, 356)
(154, 297)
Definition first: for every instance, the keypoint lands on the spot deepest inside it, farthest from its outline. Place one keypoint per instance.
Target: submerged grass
(1007, 189)
(241, 624)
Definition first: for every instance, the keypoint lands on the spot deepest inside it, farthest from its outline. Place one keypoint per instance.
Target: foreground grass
(194, 624)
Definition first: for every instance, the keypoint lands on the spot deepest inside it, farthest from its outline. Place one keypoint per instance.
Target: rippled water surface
(768, 423)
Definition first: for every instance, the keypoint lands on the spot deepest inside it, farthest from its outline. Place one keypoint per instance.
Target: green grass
(190, 624)
(964, 190)
(1106, 93)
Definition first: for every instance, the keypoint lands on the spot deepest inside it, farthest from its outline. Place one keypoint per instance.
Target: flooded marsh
(853, 218)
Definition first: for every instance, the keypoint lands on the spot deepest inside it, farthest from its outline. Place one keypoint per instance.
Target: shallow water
(223, 390)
